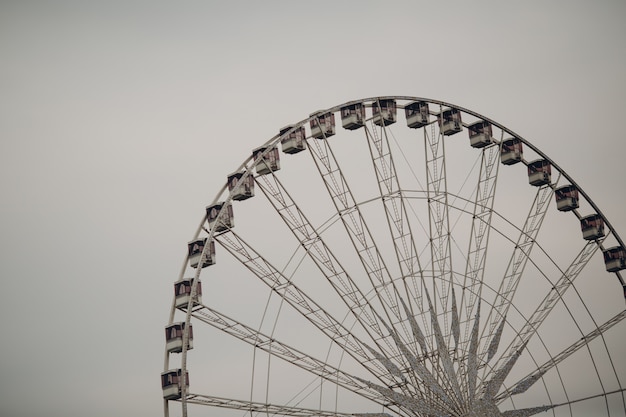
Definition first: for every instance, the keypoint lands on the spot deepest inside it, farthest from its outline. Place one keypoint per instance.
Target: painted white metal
(422, 342)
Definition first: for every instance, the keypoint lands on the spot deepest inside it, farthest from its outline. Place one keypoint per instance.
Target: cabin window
(196, 247)
(233, 181)
(181, 289)
(169, 379)
(479, 128)
(539, 166)
(416, 108)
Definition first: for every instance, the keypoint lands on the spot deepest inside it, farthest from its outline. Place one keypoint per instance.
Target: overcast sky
(119, 121)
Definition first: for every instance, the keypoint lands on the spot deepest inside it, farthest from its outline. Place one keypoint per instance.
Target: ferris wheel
(436, 264)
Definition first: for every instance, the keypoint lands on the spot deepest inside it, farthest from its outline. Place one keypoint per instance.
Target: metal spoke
(270, 409)
(481, 226)
(517, 263)
(357, 228)
(554, 295)
(439, 230)
(306, 306)
(329, 265)
(398, 225)
(283, 351)
(534, 376)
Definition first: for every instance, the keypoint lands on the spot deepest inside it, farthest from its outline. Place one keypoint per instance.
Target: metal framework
(398, 271)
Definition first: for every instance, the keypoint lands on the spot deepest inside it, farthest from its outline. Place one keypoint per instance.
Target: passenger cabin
(266, 162)
(384, 112)
(417, 114)
(241, 186)
(174, 337)
(172, 383)
(511, 151)
(195, 249)
(293, 139)
(480, 134)
(182, 292)
(566, 198)
(322, 125)
(353, 116)
(450, 122)
(226, 219)
(615, 259)
(539, 172)
(592, 227)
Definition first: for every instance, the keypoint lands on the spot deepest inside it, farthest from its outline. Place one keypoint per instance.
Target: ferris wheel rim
(275, 140)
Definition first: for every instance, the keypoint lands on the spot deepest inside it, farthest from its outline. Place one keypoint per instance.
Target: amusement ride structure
(422, 260)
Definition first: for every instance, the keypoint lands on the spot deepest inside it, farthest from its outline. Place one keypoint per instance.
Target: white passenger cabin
(353, 116)
(450, 122)
(322, 125)
(226, 219)
(480, 134)
(615, 259)
(174, 337)
(511, 151)
(172, 383)
(539, 172)
(266, 162)
(194, 251)
(293, 139)
(417, 114)
(241, 186)
(566, 198)
(182, 292)
(384, 112)
(592, 227)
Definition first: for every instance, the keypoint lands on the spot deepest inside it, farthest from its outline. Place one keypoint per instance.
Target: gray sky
(119, 121)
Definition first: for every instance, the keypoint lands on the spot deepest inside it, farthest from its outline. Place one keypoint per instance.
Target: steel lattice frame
(417, 325)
